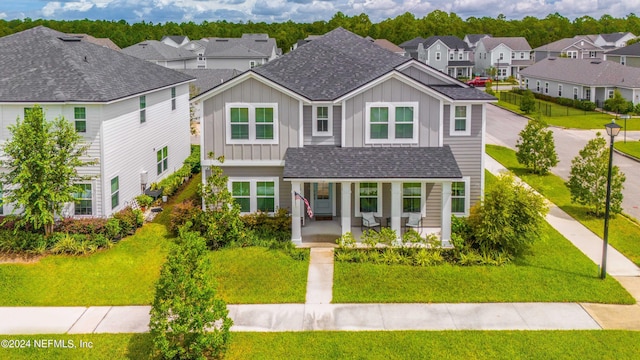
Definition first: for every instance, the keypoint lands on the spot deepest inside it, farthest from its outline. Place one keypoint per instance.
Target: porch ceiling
(328, 162)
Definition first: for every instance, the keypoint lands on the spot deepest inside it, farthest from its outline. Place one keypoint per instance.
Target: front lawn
(624, 234)
(630, 147)
(508, 345)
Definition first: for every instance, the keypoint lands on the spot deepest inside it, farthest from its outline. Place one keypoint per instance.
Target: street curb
(626, 155)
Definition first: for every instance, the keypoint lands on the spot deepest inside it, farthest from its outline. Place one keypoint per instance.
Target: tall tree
(42, 159)
(588, 180)
(536, 149)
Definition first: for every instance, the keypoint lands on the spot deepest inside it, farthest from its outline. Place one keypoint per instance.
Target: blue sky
(301, 10)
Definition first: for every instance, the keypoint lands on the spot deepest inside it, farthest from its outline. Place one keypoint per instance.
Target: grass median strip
(630, 148)
(624, 234)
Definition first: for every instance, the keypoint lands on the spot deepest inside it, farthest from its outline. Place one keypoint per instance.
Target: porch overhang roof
(356, 163)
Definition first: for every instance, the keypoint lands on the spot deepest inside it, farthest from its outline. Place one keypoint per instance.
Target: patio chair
(414, 221)
(369, 222)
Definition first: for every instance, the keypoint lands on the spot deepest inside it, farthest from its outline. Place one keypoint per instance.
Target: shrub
(276, 226)
(193, 161)
(20, 241)
(129, 219)
(84, 226)
(528, 102)
(346, 240)
(144, 200)
(182, 213)
(587, 105)
(112, 229)
(74, 244)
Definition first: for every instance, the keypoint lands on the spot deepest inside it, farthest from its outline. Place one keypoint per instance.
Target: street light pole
(612, 130)
(625, 117)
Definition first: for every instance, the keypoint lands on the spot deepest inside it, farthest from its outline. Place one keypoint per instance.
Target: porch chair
(369, 222)
(414, 221)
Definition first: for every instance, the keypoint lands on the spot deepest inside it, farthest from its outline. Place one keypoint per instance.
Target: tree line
(397, 30)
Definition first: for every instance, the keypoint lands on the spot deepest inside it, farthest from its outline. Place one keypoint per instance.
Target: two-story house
(352, 127)
(162, 54)
(508, 55)
(448, 54)
(577, 47)
(133, 114)
(613, 40)
(241, 53)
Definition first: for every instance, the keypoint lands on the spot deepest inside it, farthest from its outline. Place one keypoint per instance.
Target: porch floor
(324, 233)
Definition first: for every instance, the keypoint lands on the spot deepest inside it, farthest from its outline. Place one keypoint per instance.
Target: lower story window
(255, 194)
(368, 197)
(115, 192)
(83, 202)
(162, 159)
(458, 197)
(411, 197)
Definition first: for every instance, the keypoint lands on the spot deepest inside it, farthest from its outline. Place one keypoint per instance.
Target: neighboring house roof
(562, 44)
(154, 50)
(613, 37)
(386, 44)
(106, 42)
(630, 50)
(44, 65)
(474, 38)
(462, 93)
(177, 39)
(330, 66)
(207, 79)
(370, 163)
(452, 42)
(413, 43)
(585, 72)
(248, 46)
(514, 43)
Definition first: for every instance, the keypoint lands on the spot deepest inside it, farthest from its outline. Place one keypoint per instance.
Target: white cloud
(54, 7)
(3, 15)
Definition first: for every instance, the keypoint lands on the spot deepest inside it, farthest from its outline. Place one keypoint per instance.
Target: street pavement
(503, 128)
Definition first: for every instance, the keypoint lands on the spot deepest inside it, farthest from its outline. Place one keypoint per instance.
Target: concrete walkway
(320, 276)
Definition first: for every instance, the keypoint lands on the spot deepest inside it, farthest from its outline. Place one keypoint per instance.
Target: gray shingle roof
(474, 38)
(37, 65)
(586, 72)
(155, 50)
(413, 43)
(310, 162)
(207, 79)
(331, 66)
(462, 93)
(248, 46)
(631, 50)
(452, 42)
(514, 43)
(562, 44)
(613, 37)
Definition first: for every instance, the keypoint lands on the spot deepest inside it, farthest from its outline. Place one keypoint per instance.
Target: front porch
(324, 233)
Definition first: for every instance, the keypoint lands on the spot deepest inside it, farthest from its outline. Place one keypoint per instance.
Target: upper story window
(143, 109)
(522, 55)
(80, 119)
(501, 56)
(173, 98)
(460, 55)
(253, 64)
(322, 121)
(451, 56)
(438, 56)
(513, 55)
(391, 123)
(255, 123)
(460, 120)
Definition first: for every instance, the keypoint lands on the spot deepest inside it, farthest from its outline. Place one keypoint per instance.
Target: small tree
(187, 320)
(536, 148)
(509, 220)
(527, 102)
(588, 180)
(618, 104)
(42, 159)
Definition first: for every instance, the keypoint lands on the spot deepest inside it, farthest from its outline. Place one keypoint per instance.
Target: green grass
(577, 119)
(257, 275)
(126, 274)
(508, 345)
(630, 147)
(624, 234)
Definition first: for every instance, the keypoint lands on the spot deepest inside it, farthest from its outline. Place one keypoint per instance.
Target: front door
(322, 201)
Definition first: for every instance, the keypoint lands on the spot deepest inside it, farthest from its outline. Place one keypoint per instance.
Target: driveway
(504, 126)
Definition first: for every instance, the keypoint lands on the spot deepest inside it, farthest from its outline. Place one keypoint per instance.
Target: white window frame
(253, 63)
(422, 198)
(460, 55)
(546, 87)
(252, 123)
(314, 130)
(593, 54)
(164, 161)
(392, 123)
(77, 119)
(609, 94)
(526, 83)
(92, 199)
(173, 97)
(559, 90)
(253, 193)
(623, 60)
(501, 56)
(467, 196)
(114, 193)
(572, 54)
(452, 122)
(575, 93)
(357, 212)
(513, 55)
(521, 55)
(537, 85)
(438, 56)
(143, 109)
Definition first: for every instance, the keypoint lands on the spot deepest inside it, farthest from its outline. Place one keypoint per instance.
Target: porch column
(296, 226)
(345, 206)
(396, 208)
(592, 94)
(445, 231)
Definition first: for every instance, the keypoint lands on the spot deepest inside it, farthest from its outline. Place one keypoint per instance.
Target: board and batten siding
(255, 172)
(391, 91)
(213, 124)
(10, 113)
(130, 146)
(467, 150)
(309, 139)
(423, 76)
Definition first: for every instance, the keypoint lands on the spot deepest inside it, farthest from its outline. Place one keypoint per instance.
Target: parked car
(479, 81)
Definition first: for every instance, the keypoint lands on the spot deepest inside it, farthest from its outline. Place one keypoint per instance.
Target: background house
(508, 55)
(448, 54)
(162, 54)
(133, 114)
(352, 127)
(577, 47)
(613, 40)
(593, 80)
(628, 55)
(175, 40)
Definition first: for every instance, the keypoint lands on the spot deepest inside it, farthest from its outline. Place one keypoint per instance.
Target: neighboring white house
(162, 54)
(508, 55)
(133, 114)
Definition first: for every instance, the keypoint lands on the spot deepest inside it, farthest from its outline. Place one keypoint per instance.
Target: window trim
(142, 99)
(314, 124)
(560, 90)
(452, 122)
(546, 87)
(422, 198)
(164, 161)
(623, 60)
(114, 193)
(392, 123)
(253, 193)
(575, 93)
(467, 196)
(173, 98)
(91, 198)
(438, 56)
(252, 123)
(77, 119)
(378, 212)
(537, 85)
